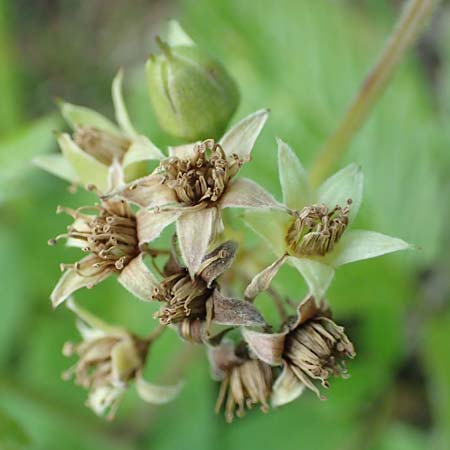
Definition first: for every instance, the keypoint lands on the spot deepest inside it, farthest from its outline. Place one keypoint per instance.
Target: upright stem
(410, 23)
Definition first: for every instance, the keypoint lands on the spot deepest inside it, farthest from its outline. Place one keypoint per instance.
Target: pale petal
(85, 117)
(184, 151)
(343, 185)
(137, 278)
(240, 139)
(356, 245)
(293, 178)
(245, 193)
(156, 394)
(271, 226)
(93, 321)
(105, 398)
(71, 281)
(194, 231)
(81, 226)
(120, 109)
(318, 276)
(176, 36)
(267, 347)
(87, 168)
(116, 176)
(287, 387)
(150, 224)
(57, 165)
(231, 311)
(142, 149)
(263, 279)
(147, 192)
(125, 361)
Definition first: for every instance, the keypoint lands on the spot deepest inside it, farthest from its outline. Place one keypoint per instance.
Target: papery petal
(263, 279)
(245, 193)
(271, 226)
(221, 358)
(150, 224)
(147, 192)
(217, 262)
(87, 168)
(81, 226)
(293, 178)
(267, 347)
(120, 109)
(85, 117)
(156, 394)
(125, 360)
(71, 281)
(176, 36)
(104, 398)
(318, 276)
(343, 185)
(231, 311)
(287, 387)
(194, 230)
(184, 151)
(137, 278)
(57, 165)
(94, 322)
(142, 149)
(116, 176)
(240, 139)
(356, 245)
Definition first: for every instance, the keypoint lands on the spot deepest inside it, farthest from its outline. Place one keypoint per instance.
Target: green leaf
(12, 436)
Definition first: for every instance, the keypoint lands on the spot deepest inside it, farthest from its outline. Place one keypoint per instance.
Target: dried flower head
(96, 143)
(193, 303)
(315, 237)
(197, 181)
(245, 382)
(310, 347)
(109, 359)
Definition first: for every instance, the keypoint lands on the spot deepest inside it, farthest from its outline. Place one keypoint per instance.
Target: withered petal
(150, 224)
(287, 387)
(231, 311)
(217, 262)
(267, 347)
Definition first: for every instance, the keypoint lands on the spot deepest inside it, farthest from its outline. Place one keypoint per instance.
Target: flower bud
(192, 94)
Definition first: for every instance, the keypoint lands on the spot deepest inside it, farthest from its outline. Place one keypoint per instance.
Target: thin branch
(407, 30)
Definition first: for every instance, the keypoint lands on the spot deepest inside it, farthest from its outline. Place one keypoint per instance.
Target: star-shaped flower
(314, 237)
(96, 142)
(110, 358)
(196, 182)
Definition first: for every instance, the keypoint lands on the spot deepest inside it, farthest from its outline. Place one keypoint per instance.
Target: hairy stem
(408, 28)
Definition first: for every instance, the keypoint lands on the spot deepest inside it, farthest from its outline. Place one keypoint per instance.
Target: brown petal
(267, 347)
(194, 231)
(218, 261)
(245, 193)
(307, 309)
(222, 358)
(137, 278)
(231, 311)
(150, 224)
(263, 279)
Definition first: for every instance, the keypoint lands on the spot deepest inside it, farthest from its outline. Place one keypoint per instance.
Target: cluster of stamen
(201, 178)
(315, 351)
(244, 386)
(110, 235)
(104, 146)
(316, 229)
(185, 297)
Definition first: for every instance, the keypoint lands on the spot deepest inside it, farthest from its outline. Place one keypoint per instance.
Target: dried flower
(245, 382)
(192, 304)
(113, 236)
(196, 182)
(97, 143)
(109, 359)
(314, 237)
(310, 346)
(192, 93)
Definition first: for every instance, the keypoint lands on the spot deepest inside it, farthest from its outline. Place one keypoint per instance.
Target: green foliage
(304, 60)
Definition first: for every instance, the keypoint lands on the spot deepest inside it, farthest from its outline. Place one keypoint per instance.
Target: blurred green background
(304, 60)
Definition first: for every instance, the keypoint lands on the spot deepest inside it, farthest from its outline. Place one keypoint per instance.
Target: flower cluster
(199, 284)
